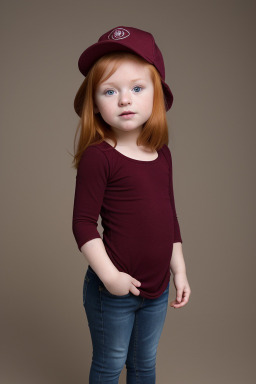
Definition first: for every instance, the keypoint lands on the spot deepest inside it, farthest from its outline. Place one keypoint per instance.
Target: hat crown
(138, 39)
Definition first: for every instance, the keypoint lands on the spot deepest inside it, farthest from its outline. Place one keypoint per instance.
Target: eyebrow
(132, 81)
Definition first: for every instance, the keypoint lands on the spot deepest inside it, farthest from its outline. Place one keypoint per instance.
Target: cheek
(101, 106)
(106, 109)
(107, 112)
(149, 100)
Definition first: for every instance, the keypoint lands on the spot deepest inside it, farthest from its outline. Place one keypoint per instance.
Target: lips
(127, 113)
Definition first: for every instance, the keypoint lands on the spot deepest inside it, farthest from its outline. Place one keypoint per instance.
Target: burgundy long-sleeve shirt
(135, 200)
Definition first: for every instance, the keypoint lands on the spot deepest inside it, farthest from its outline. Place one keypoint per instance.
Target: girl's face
(130, 88)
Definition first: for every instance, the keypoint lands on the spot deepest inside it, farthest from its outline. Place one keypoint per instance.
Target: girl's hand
(122, 284)
(183, 290)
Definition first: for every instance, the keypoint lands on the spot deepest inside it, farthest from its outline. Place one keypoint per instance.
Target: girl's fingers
(134, 290)
(184, 298)
(179, 295)
(186, 295)
(174, 304)
(136, 282)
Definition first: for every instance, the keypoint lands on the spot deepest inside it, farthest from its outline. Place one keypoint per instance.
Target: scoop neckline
(130, 158)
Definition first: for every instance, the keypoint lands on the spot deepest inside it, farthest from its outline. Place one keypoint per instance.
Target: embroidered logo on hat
(118, 33)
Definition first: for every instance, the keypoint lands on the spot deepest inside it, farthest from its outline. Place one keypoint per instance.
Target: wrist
(110, 276)
(179, 272)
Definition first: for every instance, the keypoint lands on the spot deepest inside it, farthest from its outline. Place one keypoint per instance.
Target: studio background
(209, 53)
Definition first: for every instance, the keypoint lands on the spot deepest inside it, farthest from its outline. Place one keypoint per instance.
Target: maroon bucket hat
(127, 39)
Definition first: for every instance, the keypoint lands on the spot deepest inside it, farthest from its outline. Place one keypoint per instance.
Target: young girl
(124, 174)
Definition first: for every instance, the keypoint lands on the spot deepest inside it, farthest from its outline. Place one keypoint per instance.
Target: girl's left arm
(180, 280)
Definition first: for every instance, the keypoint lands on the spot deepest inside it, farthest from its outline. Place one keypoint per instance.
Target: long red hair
(93, 129)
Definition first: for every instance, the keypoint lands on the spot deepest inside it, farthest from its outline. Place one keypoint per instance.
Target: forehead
(127, 70)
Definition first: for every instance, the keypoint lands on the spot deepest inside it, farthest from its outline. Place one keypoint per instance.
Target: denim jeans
(125, 330)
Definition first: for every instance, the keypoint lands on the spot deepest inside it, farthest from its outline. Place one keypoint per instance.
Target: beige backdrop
(209, 52)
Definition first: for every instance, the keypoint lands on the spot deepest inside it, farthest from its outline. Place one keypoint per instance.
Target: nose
(125, 98)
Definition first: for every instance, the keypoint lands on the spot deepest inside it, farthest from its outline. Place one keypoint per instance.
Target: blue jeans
(124, 330)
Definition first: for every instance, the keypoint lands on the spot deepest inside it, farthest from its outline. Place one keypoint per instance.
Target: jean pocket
(104, 290)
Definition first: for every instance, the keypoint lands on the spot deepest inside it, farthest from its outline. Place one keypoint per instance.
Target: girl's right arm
(91, 182)
(117, 283)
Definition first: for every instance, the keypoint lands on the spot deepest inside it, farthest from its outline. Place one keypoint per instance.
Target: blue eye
(137, 87)
(110, 90)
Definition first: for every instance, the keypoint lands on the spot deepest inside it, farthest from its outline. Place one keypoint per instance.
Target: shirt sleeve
(91, 181)
(177, 234)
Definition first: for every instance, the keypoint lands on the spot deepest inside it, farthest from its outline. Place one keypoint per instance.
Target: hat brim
(97, 50)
